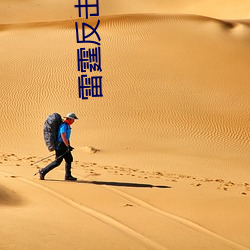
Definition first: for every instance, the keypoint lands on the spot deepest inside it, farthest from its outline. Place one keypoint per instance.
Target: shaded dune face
(9, 197)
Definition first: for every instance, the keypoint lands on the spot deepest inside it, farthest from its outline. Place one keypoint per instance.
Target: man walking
(63, 150)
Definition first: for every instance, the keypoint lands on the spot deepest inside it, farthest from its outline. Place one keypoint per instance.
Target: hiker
(63, 149)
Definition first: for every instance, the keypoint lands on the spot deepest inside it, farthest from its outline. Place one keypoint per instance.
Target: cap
(71, 116)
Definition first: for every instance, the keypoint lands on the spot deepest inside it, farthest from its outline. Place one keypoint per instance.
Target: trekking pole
(41, 159)
(48, 157)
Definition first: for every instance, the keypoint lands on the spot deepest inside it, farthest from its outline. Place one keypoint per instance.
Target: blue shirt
(64, 128)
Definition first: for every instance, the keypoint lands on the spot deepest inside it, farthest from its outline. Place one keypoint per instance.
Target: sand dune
(187, 111)
(162, 159)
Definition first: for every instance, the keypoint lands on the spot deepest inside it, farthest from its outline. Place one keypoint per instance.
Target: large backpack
(50, 130)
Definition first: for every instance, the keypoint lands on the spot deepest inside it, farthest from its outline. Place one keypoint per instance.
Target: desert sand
(162, 159)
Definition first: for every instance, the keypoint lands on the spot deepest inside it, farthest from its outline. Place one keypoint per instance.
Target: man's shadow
(114, 183)
(122, 184)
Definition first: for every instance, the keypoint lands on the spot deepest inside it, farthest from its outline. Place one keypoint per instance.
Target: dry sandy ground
(162, 159)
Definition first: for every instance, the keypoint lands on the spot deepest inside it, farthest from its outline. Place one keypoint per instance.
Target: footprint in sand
(128, 205)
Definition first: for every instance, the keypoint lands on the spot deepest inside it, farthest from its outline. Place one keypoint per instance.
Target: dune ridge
(17, 12)
(136, 17)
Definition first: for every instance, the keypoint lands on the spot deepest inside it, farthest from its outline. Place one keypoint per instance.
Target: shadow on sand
(116, 184)
(122, 184)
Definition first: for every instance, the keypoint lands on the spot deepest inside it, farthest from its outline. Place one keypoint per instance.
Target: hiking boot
(41, 175)
(70, 178)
